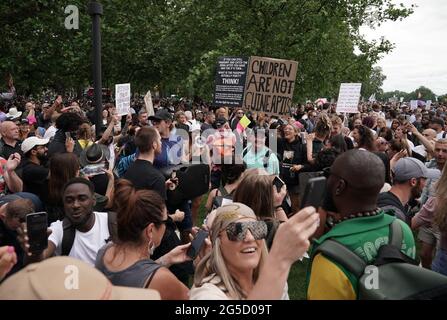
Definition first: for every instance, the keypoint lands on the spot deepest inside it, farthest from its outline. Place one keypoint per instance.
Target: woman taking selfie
(239, 267)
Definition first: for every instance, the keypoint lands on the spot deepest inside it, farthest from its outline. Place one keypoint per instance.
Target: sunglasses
(236, 231)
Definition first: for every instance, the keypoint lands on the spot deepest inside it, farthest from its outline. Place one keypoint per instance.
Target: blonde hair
(441, 201)
(214, 262)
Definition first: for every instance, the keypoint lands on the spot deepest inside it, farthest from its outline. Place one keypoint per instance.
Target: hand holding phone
(197, 244)
(36, 225)
(314, 193)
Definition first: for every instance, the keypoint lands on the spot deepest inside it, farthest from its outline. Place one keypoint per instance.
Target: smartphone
(197, 244)
(67, 135)
(314, 193)
(278, 183)
(36, 225)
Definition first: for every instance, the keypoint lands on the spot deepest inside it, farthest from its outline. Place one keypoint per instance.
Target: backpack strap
(396, 234)
(342, 255)
(223, 191)
(68, 236)
(113, 225)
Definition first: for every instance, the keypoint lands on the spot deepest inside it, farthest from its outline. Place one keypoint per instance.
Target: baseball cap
(408, 167)
(31, 142)
(66, 278)
(161, 114)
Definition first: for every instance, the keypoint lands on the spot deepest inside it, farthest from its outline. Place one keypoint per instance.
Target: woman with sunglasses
(141, 224)
(239, 267)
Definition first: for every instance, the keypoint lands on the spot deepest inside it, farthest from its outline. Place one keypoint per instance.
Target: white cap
(31, 142)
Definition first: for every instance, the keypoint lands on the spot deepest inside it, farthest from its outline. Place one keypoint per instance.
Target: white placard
(428, 104)
(149, 104)
(413, 104)
(122, 98)
(348, 98)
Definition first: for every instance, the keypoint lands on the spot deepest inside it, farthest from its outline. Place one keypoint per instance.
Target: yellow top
(328, 281)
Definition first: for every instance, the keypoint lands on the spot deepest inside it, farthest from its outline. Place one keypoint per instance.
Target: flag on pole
(372, 98)
(243, 124)
(419, 95)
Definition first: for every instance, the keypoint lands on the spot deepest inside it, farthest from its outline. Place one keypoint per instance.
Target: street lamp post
(95, 10)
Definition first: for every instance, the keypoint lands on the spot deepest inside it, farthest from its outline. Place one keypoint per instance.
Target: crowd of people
(115, 204)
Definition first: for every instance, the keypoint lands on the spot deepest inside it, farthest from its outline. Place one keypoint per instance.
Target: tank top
(138, 275)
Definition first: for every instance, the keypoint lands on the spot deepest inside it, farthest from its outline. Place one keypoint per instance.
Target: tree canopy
(174, 44)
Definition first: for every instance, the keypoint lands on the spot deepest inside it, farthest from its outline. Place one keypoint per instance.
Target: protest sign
(270, 85)
(148, 103)
(428, 104)
(230, 81)
(122, 98)
(413, 104)
(348, 98)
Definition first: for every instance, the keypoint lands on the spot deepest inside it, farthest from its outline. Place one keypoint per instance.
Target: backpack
(218, 200)
(398, 276)
(69, 232)
(265, 160)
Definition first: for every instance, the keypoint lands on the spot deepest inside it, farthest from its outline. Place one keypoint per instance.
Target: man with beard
(91, 228)
(34, 169)
(353, 185)
(409, 178)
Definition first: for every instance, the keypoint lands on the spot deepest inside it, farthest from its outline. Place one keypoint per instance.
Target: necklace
(358, 215)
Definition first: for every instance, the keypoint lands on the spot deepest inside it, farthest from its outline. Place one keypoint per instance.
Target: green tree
(175, 43)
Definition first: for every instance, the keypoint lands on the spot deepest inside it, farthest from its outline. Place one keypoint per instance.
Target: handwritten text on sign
(348, 98)
(270, 85)
(122, 98)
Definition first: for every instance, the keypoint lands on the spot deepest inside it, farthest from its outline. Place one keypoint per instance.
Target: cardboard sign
(269, 86)
(230, 81)
(122, 98)
(428, 104)
(348, 98)
(413, 104)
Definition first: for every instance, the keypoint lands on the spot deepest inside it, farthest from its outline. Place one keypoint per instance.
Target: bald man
(9, 143)
(354, 183)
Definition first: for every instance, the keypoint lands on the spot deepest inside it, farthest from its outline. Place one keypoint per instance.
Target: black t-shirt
(291, 153)
(9, 238)
(35, 179)
(7, 150)
(144, 175)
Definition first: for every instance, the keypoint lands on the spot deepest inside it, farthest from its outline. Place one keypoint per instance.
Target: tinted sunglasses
(236, 231)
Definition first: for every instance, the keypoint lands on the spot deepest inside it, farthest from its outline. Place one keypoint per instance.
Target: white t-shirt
(440, 135)
(421, 150)
(86, 244)
(51, 131)
(213, 289)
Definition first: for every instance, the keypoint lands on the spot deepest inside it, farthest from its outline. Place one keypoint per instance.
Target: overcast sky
(420, 54)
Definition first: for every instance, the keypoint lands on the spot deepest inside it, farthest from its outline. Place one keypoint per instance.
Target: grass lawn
(297, 276)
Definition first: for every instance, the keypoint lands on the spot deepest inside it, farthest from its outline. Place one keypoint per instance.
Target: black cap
(161, 114)
(220, 122)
